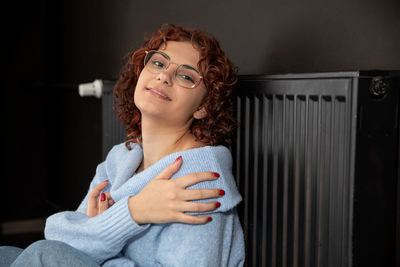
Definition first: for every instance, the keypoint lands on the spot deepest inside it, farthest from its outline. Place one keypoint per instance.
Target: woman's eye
(158, 64)
(186, 78)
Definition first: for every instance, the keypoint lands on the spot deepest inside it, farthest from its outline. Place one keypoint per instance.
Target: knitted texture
(112, 238)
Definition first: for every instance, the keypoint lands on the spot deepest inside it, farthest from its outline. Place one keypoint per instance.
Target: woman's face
(158, 96)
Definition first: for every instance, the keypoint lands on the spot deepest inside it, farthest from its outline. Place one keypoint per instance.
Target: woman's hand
(96, 204)
(164, 200)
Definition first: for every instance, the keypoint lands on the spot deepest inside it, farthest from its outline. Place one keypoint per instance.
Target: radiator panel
(113, 131)
(292, 168)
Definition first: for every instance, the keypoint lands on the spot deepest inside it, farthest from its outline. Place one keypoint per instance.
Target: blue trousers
(45, 253)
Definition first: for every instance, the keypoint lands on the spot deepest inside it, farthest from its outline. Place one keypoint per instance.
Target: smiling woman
(218, 76)
(174, 102)
(167, 196)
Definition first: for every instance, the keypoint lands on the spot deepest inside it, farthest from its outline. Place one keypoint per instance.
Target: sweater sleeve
(211, 244)
(217, 243)
(101, 237)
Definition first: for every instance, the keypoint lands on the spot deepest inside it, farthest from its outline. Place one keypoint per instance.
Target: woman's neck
(158, 142)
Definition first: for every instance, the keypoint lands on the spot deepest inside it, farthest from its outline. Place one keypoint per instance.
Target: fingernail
(221, 192)
(216, 174)
(217, 205)
(102, 197)
(178, 159)
(209, 219)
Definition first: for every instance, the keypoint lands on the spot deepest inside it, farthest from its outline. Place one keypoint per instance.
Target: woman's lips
(158, 93)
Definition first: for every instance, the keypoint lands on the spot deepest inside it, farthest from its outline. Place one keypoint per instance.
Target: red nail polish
(179, 158)
(217, 205)
(102, 197)
(209, 219)
(221, 192)
(216, 174)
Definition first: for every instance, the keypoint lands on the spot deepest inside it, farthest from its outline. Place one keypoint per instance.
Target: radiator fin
(113, 132)
(298, 145)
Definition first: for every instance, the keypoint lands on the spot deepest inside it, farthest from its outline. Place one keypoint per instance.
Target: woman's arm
(165, 200)
(104, 235)
(217, 243)
(101, 237)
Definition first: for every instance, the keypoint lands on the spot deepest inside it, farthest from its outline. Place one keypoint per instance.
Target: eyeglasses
(185, 75)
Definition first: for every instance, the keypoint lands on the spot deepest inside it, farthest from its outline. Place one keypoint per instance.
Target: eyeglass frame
(169, 63)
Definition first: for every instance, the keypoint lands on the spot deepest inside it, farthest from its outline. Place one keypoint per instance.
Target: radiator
(316, 159)
(112, 131)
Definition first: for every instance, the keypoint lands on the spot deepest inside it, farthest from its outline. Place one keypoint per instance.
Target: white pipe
(91, 89)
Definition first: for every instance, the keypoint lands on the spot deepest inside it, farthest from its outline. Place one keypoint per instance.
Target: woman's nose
(165, 76)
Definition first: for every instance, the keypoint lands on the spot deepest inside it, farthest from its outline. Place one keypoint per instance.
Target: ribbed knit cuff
(117, 225)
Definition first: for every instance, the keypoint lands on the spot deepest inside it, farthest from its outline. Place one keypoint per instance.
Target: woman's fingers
(103, 203)
(109, 198)
(170, 170)
(92, 207)
(185, 218)
(164, 200)
(198, 207)
(195, 178)
(196, 194)
(97, 190)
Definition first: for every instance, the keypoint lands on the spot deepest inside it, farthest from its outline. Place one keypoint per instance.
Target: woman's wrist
(134, 215)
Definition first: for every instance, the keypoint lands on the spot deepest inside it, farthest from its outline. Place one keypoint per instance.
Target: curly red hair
(219, 77)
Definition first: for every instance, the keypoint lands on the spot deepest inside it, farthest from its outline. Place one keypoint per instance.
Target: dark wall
(53, 136)
(259, 36)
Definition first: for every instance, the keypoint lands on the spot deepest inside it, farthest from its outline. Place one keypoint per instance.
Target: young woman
(166, 197)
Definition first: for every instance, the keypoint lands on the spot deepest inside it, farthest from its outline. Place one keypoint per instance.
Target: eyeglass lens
(185, 75)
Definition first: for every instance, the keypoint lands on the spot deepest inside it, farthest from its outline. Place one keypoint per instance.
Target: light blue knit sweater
(112, 238)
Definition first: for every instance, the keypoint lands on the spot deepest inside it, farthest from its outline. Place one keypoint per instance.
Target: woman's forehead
(181, 52)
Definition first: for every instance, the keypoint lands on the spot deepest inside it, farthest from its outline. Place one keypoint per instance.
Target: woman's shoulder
(123, 161)
(124, 149)
(217, 154)
(212, 159)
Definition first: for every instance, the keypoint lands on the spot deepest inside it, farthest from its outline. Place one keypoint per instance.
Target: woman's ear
(200, 113)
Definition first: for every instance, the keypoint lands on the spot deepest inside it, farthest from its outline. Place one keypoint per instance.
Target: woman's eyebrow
(185, 65)
(164, 55)
(190, 67)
